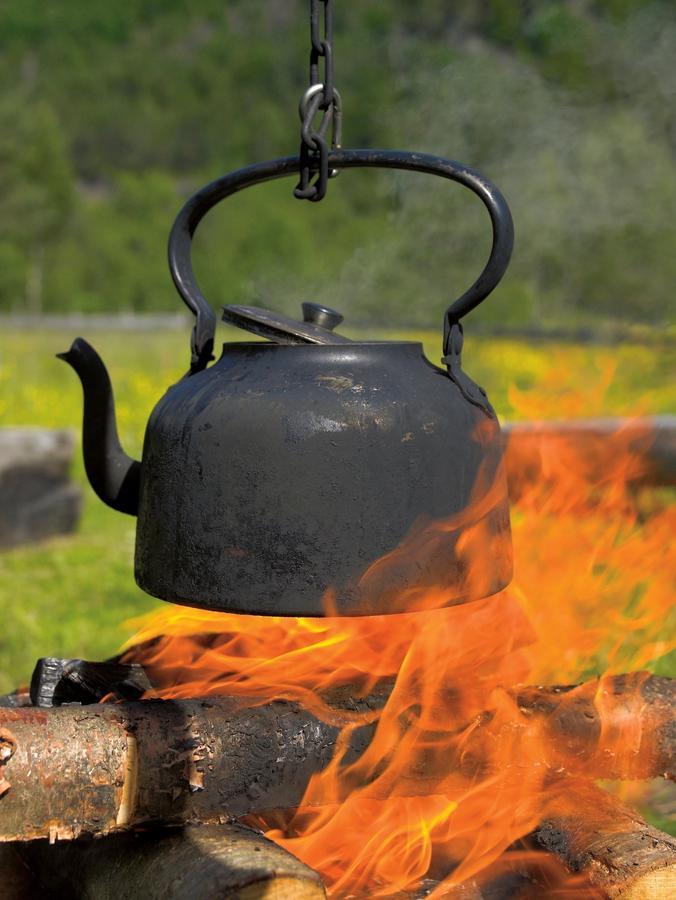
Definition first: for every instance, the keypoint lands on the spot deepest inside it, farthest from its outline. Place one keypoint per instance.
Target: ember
(463, 765)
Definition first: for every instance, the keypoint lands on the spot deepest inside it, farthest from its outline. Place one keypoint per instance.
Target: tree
(36, 196)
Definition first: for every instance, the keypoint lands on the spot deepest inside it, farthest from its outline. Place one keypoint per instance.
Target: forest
(111, 114)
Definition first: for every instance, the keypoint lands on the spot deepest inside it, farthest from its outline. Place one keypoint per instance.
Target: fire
(459, 770)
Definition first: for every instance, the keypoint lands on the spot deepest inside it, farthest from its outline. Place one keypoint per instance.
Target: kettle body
(275, 479)
(312, 475)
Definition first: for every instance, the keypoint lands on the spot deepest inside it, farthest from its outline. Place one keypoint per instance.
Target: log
(96, 769)
(588, 845)
(37, 498)
(608, 844)
(620, 726)
(616, 727)
(594, 446)
(516, 874)
(209, 862)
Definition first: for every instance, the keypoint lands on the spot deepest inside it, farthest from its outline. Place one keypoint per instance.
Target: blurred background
(112, 114)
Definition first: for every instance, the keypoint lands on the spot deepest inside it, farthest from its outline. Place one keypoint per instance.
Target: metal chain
(321, 96)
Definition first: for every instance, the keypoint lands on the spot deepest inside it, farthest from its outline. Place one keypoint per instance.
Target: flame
(459, 769)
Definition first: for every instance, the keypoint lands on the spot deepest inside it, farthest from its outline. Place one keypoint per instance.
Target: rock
(37, 497)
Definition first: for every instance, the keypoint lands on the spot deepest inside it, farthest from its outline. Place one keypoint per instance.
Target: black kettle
(311, 474)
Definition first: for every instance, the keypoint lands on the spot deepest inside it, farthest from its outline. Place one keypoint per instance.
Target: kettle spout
(113, 475)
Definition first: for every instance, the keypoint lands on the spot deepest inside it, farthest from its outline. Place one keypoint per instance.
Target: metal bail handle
(180, 239)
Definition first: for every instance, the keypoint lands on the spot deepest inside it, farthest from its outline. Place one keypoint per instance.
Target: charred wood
(597, 837)
(56, 681)
(75, 770)
(19, 697)
(589, 845)
(623, 726)
(96, 769)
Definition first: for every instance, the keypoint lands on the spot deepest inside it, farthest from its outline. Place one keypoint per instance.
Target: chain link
(321, 97)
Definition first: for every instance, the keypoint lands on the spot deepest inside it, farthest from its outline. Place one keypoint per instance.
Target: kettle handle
(199, 204)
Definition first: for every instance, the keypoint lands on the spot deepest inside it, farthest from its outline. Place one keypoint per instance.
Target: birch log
(209, 862)
(96, 769)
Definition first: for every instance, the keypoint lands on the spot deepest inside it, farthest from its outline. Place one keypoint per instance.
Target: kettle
(310, 474)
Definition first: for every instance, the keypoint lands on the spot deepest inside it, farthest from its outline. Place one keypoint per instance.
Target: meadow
(72, 596)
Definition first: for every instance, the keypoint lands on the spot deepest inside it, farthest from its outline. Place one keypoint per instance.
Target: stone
(37, 497)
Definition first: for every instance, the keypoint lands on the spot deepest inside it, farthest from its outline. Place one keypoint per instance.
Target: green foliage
(36, 199)
(113, 113)
(118, 245)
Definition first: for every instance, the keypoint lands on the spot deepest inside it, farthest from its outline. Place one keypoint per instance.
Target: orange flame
(458, 770)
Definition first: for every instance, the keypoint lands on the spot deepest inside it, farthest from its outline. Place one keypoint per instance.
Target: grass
(71, 596)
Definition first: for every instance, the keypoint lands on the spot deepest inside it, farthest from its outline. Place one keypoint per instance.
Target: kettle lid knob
(320, 315)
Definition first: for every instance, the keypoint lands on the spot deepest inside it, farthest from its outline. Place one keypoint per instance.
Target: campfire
(364, 702)
(444, 753)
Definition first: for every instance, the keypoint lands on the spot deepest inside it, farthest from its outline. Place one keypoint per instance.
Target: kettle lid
(316, 328)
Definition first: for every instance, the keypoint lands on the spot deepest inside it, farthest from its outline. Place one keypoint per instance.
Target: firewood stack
(139, 799)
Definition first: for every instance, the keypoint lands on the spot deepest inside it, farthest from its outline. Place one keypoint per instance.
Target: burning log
(595, 847)
(96, 769)
(611, 846)
(618, 727)
(212, 862)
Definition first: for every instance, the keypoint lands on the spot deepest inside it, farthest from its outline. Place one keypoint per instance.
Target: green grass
(71, 596)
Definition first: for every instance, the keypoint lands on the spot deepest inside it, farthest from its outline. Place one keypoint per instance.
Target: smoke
(588, 171)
